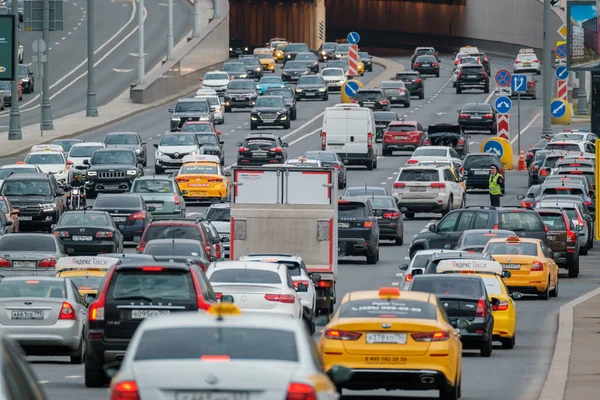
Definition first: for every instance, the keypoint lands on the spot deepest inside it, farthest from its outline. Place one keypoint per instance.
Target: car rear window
(540, 155)
(256, 144)
(368, 95)
(173, 248)
(419, 175)
(33, 288)
(407, 76)
(351, 211)
(517, 248)
(571, 213)
(28, 243)
(199, 170)
(420, 261)
(87, 282)
(446, 285)
(196, 128)
(562, 146)
(520, 221)
(376, 308)
(365, 192)
(480, 161)
(401, 128)
(563, 190)
(492, 285)
(218, 214)
(152, 186)
(426, 59)
(293, 267)
(116, 202)
(154, 285)
(237, 343)
(553, 221)
(479, 239)
(425, 152)
(172, 232)
(471, 70)
(233, 275)
(383, 203)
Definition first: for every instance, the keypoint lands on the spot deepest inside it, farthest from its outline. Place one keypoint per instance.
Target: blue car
(267, 82)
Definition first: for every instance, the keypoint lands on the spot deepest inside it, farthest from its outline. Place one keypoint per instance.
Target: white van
(349, 130)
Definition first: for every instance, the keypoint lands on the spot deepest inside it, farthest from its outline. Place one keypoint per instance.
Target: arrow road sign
(558, 108)
(503, 105)
(519, 83)
(561, 51)
(494, 147)
(351, 88)
(353, 38)
(503, 77)
(561, 73)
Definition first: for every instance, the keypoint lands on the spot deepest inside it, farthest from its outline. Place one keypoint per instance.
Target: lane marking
(513, 140)
(72, 376)
(395, 283)
(42, 382)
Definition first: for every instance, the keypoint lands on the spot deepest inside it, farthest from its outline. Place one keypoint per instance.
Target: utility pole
(91, 109)
(196, 18)
(582, 103)
(47, 123)
(170, 31)
(141, 60)
(14, 127)
(547, 69)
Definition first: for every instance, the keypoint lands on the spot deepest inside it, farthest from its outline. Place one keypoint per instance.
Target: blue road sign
(353, 38)
(503, 105)
(494, 147)
(558, 109)
(351, 88)
(518, 84)
(561, 73)
(561, 51)
(503, 77)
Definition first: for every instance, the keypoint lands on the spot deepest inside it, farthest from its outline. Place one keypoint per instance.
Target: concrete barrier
(210, 48)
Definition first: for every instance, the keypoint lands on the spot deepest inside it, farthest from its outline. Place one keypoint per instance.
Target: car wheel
(406, 105)
(326, 97)
(554, 292)
(288, 125)
(458, 90)
(227, 109)
(545, 294)
(410, 214)
(95, 377)
(486, 348)
(370, 165)
(145, 163)
(372, 258)
(584, 250)
(158, 170)
(450, 392)
(574, 268)
(449, 208)
(422, 95)
(437, 74)
(400, 241)
(293, 116)
(78, 355)
(486, 89)
(508, 343)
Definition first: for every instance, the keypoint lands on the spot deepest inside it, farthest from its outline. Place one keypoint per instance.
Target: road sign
(503, 105)
(562, 31)
(561, 51)
(353, 38)
(502, 91)
(33, 15)
(518, 83)
(494, 147)
(503, 77)
(561, 90)
(39, 46)
(561, 72)
(503, 125)
(7, 47)
(558, 109)
(351, 88)
(353, 60)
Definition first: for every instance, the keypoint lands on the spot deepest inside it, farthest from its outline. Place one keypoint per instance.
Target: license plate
(268, 121)
(475, 117)
(480, 172)
(29, 314)
(343, 225)
(199, 194)
(119, 219)
(471, 76)
(511, 266)
(393, 338)
(25, 218)
(113, 187)
(259, 154)
(212, 396)
(401, 137)
(427, 65)
(30, 264)
(385, 360)
(336, 146)
(368, 104)
(310, 94)
(158, 206)
(527, 64)
(142, 314)
(417, 189)
(394, 98)
(82, 238)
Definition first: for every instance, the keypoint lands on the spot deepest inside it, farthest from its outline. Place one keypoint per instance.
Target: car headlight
(298, 90)
(258, 69)
(245, 49)
(25, 79)
(92, 173)
(132, 172)
(48, 206)
(230, 49)
(243, 76)
(159, 153)
(321, 89)
(254, 118)
(258, 87)
(283, 118)
(323, 52)
(175, 119)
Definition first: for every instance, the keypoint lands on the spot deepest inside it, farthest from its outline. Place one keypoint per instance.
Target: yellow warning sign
(562, 31)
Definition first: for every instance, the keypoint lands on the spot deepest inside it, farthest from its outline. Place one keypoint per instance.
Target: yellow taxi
(505, 312)
(530, 262)
(395, 341)
(265, 56)
(201, 178)
(86, 272)
(279, 51)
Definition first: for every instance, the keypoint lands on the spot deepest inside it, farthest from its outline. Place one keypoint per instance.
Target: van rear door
(357, 131)
(335, 128)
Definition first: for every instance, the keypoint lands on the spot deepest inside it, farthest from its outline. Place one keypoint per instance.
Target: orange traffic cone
(522, 166)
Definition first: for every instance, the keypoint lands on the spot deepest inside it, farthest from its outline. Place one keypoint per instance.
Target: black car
(288, 95)
(389, 218)
(367, 60)
(396, 92)
(427, 64)
(540, 145)
(413, 82)
(111, 171)
(449, 135)
(524, 222)
(127, 296)
(311, 87)
(475, 240)
(211, 144)
(124, 140)
(484, 60)
(240, 93)
(475, 169)
(372, 98)
(270, 111)
(358, 230)
(292, 50)
(312, 61)
(253, 66)
(235, 70)
(341, 51)
(330, 159)
(419, 51)
(6, 91)
(37, 197)
(190, 109)
(128, 211)
(472, 76)
(237, 47)
(293, 70)
(260, 149)
(464, 297)
(326, 51)
(26, 78)
(179, 250)
(477, 117)
(88, 233)
(382, 120)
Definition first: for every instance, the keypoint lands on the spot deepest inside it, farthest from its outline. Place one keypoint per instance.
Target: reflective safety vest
(495, 187)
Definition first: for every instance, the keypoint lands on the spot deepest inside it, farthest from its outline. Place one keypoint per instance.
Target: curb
(556, 380)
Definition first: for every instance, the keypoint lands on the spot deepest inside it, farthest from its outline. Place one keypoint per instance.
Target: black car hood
(191, 114)
(241, 91)
(15, 200)
(291, 70)
(108, 167)
(310, 86)
(268, 109)
(433, 130)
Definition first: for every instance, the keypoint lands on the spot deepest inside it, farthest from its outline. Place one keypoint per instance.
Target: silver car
(45, 315)
(29, 254)
(219, 216)
(267, 357)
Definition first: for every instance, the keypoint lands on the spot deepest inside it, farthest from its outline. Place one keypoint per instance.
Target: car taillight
(383, 102)
(214, 180)
(459, 75)
(435, 64)
(412, 162)
(300, 391)
(281, 298)
(62, 234)
(243, 149)
(408, 278)
(96, 309)
(176, 200)
(438, 336)
(530, 84)
(502, 306)
(571, 236)
(418, 80)
(392, 215)
(369, 140)
(219, 296)
(296, 283)
(481, 309)
(337, 334)
(401, 91)
(104, 234)
(461, 142)
(427, 142)
(276, 149)
(463, 116)
(47, 263)
(526, 204)
(437, 185)
(67, 311)
(354, 101)
(218, 250)
(337, 167)
(323, 140)
(140, 249)
(417, 64)
(462, 171)
(517, 61)
(201, 303)
(530, 154)
(537, 266)
(126, 390)
(138, 216)
(368, 224)
(488, 116)
(4, 263)
(536, 60)
(544, 172)
(588, 203)
(485, 76)
(182, 180)
(399, 185)
(579, 220)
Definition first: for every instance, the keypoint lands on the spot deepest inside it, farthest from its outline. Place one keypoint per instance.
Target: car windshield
(250, 61)
(306, 57)
(271, 80)
(553, 221)
(4, 172)
(173, 248)
(386, 204)
(46, 159)
(192, 106)
(234, 67)
(197, 128)
(33, 288)
(368, 95)
(428, 152)
(24, 242)
(520, 221)
(480, 161)
(116, 202)
(178, 140)
(216, 77)
(384, 116)
(479, 239)
(163, 285)
(426, 59)
(218, 214)
(212, 100)
(419, 175)
(295, 65)
(343, 64)
(392, 85)
(235, 343)
(365, 191)
(407, 77)
(286, 94)
(210, 138)
(83, 151)
(113, 157)
(492, 285)
(388, 309)
(172, 232)
(320, 156)
(270, 102)
(246, 275)
(4, 85)
(121, 139)
(480, 108)
(562, 146)
(26, 188)
(540, 155)
(468, 69)
(444, 285)
(332, 72)
(401, 128)
(243, 85)
(199, 170)
(351, 211)
(84, 219)
(297, 47)
(514, 248)
(23, 70)
(311, 80)
(152, 186)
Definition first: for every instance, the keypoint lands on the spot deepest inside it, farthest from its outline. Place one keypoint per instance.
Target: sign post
(518, 86)
(503, 105)
(39, 58)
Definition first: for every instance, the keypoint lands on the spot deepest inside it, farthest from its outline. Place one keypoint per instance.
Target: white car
(304, 162)
(334, 77)
(215, 104)
(572, 145)
(434, 153)
(428, 190)
(50, 162)
(216, 80)
(257, 286)
(6, 170)
(418, 262)
(83, 151)
(527, 62)
(172, 149)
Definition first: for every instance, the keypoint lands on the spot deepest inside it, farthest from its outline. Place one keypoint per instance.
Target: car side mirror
(284, 145)
(516, 295)
(339, 375)
(218, 132)
(462, 324)
(228, 174)
(506, 274)
(467, 136)
(216, 240)
(221, 142)
(302, 288)
(184, 192)
(60, 193)
(316, 278)
(86, 162)
(579, 228)
(403, 267)
(170, 110)
(15, 211)
(155, 145)
(580, 234)
(227, 298)
(520, 197)
(433, 228)
(458, 111)
(151, 208)
(448, 246)
(495, 301)
(225, 240)
(239, 144)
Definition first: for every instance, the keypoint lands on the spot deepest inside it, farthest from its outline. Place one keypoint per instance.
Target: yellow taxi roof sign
(85, 263)
(389, 293)
(201, 158)
(513, 239)
(470, 266)
(221, 309)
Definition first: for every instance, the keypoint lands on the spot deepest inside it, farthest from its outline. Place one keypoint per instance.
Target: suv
(292, 50)
(176, 229)
(427, 64)
(477, 117)
(172, 148)
(358, 231)
(372, 98)
(252, 65)
(190, 109)
(129, 295)
(413, 82)
(524, 222)
(240, 93)
(270, 111)
(402, 135)
(472, 77)
(128, 140)
(111, 171)
(288, 95)
(563, 238)
(475, 169)
(37, 197)
(260, 149)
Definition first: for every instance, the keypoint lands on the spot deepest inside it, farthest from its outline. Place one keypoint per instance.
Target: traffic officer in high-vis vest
(496, 185)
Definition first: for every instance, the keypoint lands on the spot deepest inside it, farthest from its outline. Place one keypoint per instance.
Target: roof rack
(481, 207)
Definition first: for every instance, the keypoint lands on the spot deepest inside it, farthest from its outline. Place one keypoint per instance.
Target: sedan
(389, 218)
(45, 315)
(293, 70)
(332, 160)
(334, 78)
(128, 211)
(128, 140)
(311, 59)
(527, 62)
(427, 64)
(372, 98)
(365, 191)
(396, 92)
(288, 95)
(312, 87)
(88, 233)
(29, 254)
(270, 111)
(162, 193)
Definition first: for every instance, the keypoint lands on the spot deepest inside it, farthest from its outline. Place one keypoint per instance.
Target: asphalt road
(508, 374)
(116, 38)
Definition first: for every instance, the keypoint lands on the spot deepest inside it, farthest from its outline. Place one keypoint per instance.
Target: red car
(402, 136)
(199, 126)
